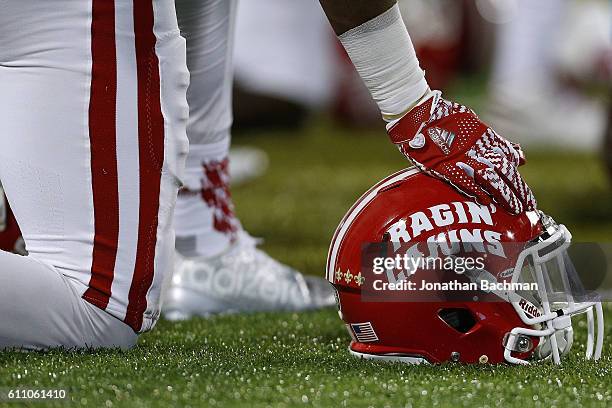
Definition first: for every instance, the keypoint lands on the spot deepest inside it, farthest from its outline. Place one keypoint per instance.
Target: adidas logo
(443, 138)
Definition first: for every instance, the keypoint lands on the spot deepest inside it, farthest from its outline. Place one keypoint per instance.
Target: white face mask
(559, 296)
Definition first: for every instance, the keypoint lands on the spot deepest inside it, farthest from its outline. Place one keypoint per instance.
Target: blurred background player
(279, 85)
(284, 64)
(547, 64)
(607, 151)
(551, 68)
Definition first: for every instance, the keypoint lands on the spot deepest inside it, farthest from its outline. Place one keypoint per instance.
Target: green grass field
(301, 359)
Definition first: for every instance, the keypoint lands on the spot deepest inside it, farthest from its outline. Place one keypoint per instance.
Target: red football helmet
(528, 307)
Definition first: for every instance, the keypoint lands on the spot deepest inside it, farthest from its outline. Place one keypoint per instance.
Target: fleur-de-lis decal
(359, 279)
(348, 276)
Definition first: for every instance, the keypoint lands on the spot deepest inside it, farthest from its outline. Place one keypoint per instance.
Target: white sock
(383, 54)
(204, 217)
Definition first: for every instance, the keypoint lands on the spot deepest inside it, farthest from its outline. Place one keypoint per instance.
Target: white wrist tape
(383, 54)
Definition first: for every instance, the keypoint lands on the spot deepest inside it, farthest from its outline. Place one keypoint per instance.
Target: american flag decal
(364, 332)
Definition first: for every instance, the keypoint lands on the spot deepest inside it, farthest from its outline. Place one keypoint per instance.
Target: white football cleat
(242, 279)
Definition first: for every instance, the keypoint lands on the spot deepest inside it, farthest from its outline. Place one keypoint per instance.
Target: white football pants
(41, 308)
(93, 117)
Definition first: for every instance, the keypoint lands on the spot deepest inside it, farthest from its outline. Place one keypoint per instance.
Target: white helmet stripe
(355, 211)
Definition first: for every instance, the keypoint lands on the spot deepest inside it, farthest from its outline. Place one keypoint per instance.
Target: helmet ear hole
(459, 319)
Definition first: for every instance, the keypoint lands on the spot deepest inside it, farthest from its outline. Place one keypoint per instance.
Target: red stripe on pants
(151, 159)
(103, 144)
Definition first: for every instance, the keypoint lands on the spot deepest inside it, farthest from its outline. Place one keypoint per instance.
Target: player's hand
(448, 141)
